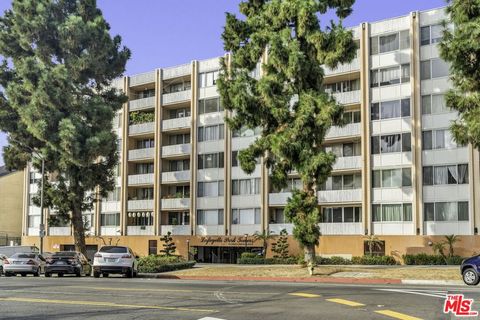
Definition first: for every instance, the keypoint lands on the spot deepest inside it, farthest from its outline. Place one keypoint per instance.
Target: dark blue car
(470, 269)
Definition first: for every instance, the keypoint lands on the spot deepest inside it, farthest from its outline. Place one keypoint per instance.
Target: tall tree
(461, 48)
(288, 102)
(59, 62)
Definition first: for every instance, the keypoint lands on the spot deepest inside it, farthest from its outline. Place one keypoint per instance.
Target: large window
(210, 217)
(143, 168)
(292, 184)
(145, 143)
(183, 138)
(110, 219)
(208, 79)
(391, 42)
(449, 174)
(343, 86)
(210, 189)
(438, 139)
(392, 178)
(346, 149)
(431, 34)
(352, 116)
(433, 68)
(434, 104)
(390, 109)
(342, 215)
(179, 113)
(211, 133)
(400, 142)
(391, 75)
(246, 216)
(277, 216)
(246, 186)
(210, 160)
(343, 182)
(209, 105)
(113, 195)
(179, 165)
(177, 87)
(177, 192)
(139, 219)
(397, 212)
(144, 194)
(446, 211)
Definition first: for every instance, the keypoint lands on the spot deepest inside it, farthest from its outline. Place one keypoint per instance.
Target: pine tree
(461, 48)
(169, 246)
(280, 247)
(288, 102)
(59, 63)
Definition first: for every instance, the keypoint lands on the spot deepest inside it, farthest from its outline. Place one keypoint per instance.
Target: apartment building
(399, 174)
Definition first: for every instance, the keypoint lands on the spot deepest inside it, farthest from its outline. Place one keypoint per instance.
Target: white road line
(435, 294)
(210, 318)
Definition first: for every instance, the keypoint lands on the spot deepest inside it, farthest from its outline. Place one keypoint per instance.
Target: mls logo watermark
(459, 306)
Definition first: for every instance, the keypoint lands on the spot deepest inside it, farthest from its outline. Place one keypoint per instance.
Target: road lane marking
(435, 294)
(304, 295)
(210, 318)
(396, 315)
(346, 302)
(170, 290)
(102, 304)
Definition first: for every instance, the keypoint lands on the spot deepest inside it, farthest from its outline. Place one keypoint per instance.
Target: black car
(68, 262)
(470, 269)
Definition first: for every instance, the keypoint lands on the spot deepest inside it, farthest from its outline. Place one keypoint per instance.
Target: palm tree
(373, 242)
(438, 248)
(264, 237)
(450, 241)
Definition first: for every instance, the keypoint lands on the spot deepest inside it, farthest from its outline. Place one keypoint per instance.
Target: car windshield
(64, 254)
(23, 256)
(109, 249)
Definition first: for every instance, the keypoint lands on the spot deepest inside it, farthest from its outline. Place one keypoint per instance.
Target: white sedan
(115, 260)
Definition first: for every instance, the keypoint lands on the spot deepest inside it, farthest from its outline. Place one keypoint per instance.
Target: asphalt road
(120, 298)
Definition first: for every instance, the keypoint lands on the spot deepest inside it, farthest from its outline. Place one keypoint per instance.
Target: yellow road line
(169, 290)
(346, 302)
(396, 315)
(304, 295)
(102, 304)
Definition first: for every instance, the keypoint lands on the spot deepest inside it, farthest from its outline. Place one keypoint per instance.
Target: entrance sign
(230, 241)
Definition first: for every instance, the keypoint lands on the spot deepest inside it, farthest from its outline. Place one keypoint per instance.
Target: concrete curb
(434, 282)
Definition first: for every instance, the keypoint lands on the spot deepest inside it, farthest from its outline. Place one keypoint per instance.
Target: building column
(228, 167)
(157, 159)
(26, 195)
(124, 161)
(474, 188)
(193, 153)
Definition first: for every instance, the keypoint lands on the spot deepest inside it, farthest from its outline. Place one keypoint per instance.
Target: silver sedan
(24, 263)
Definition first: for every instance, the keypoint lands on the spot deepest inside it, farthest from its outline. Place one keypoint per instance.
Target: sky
(163, 33)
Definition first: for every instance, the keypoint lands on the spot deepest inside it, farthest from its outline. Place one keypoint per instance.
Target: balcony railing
(142, 78)
(351, 97)
(176, 150)
(341, 228)
(175, 203)
(210, 230)
(141, 154)
(141, 104)
(146, 204)
(348, 163)
(177, 71)
(174, 97)
(175, 176)
(140, 230)
(110, 231)
(111, 206)
(353, 66)
(334, 196)
(177, 123)
(278, 199)
(60, 231)
(241, 229)
(142, 128)
(140, 179)
(176, 230)
(349, 130)
(276, 228)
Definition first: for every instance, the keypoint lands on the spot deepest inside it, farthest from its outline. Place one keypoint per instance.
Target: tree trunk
(309, 252)
(78, 231)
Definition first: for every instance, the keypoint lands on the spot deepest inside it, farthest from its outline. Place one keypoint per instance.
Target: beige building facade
(399, 175)
(12, 189)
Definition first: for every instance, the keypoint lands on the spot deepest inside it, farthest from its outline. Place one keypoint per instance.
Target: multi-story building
(11, 206)
(398, 174)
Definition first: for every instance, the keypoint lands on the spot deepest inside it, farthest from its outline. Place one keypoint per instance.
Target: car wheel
(24, 274)
(78, 273)
(129, 273)
(96, 274)
(37, 274)
(105, 275)
(8, 274)
(48, 275)
(470, 277)
(60, 275)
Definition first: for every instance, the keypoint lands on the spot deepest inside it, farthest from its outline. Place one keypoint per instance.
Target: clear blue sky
(169, 32)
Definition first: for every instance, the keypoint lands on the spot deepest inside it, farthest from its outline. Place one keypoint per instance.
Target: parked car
(11, 250)
(2, 259)
(470, 270)
(67, 262)
(24, 263)
(115, 260)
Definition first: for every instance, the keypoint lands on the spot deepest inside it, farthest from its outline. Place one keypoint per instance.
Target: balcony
(341, 228)
(111, 206)
(353, 66)
(60, 231)
(141, 154)
(176, 230)
(278, 199)
(393, 228)
(242, 229)
(176, 150)
(110, 231)
(276, 228)
(140, 230)
(176, 97)
(176, 176)
(447, 227)
(142, 128)
(210, 230)
(351, 97)
(140, 179)
(177, 71)
(175, 203)
(141, 104)
(142, 78)
(348, 163)
(339, 196)
(349, 130)
(146, 204)
(176, 124)
(35, 232)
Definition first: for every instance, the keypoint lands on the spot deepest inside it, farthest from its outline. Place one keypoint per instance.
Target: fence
(6, 240)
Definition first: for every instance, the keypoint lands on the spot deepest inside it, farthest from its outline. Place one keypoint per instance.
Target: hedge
(261, 260)
(156, 264)
(333, 260)
(423, 259)
(364, 260)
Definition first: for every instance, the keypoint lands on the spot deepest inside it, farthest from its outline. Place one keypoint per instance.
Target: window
(343, 86)
(210, 189)
(246, 216)
(33, 177)
(390, 42)
(389, 76)
(277, 216)
(431, 34)
(210, 160)
(179, 165)
(110, 219)
(392, 178)
(177, 192)
(434, 68)
(342, 214)
(211, 133)
(446, 211)
(33, 221)
(246, 186)
(438, 139)
(208, 79)
(434, 104)
(391, 143)
(174, 139)
(139, 219)
(425, 72)
(209, 105)
(143, 168)
(390, 109)
(180, 113)
(246, 132)
(345, 150)
(397, 212)
(145, 143)
(352, 117)
(292, 184)
(144, 194)
(210, 217)
(147, 93)
(177, 87)
(450, 174)
(113, 195)
(344, 182)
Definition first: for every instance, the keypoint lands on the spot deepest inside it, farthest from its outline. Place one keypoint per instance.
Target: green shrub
(333, 260)
(249, 255)
(261, 260)
(455, 260)
(374, 260)
(423, 259)
(155, 264)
